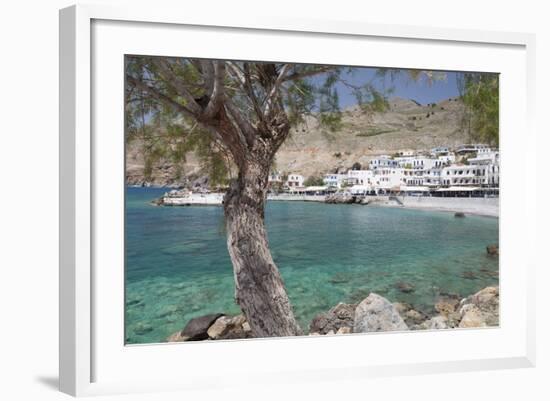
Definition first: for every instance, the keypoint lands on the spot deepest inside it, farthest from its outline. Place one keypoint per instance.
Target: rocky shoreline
(373, 314)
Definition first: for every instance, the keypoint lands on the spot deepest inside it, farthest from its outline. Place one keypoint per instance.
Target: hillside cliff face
(311, 150)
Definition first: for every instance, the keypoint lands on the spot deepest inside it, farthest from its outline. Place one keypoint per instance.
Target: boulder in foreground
(197, 328)
(339, 317)
(376, 313)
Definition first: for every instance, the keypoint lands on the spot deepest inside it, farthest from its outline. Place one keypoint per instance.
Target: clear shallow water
(177, 265)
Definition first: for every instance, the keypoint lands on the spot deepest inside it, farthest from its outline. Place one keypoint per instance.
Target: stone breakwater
(373, 314)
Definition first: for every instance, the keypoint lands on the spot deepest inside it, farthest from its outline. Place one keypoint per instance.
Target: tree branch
(217, 96)
(310, 73)
(273, 92)
(172, 79)
(246, 128)
(155, 93)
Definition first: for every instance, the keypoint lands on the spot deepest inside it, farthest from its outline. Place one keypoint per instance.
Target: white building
(359, 177)
(275, 178)
(294, 180)
(447, 159)
(470, 175)
(485, 156)
(334, 180)
(389, 178)
(470, 148)
(382, 161)
(425, 163)
(432, 177)
(440, 151)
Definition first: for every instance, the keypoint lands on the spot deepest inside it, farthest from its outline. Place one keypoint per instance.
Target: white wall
(28, 225)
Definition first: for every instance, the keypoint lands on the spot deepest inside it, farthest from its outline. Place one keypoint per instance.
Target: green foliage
(480, 95)
(313, 181)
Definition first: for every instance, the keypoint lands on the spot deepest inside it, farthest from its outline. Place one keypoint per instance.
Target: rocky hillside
(311, 150)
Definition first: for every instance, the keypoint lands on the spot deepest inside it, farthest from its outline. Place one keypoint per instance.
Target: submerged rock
(469, 275)
(404, 287)
(492, 250)
(142, 328)
(376, 313)
(340, 316)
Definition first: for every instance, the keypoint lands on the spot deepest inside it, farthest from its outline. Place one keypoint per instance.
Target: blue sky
(403, 86)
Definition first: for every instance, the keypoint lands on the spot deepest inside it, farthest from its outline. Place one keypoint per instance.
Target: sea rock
(177, 338)
(344, 330)
(471, 316)
(404, 287)
(226, 327)
(492, 250)
(413, 317)
(435, 323)
(460, 214)
(469, 275)
(142, 328)
(446, 306)
(342, 315)
(402, 307)
(376, 313)
(197, 328)
(340, 197)
(480, 309)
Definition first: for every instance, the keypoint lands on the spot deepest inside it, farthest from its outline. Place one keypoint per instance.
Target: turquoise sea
(177, 265)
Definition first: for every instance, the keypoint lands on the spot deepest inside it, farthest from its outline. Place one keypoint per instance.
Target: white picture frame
(91, 362)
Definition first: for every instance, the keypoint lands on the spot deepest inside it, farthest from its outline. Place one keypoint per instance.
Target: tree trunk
(259, 288)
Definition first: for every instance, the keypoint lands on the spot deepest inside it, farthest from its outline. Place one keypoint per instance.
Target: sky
(403, 86)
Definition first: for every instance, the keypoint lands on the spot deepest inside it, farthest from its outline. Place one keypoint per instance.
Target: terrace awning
(414, 189)
(315, 188)
(458, 189)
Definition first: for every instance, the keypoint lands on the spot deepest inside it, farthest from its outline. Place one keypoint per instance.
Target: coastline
(487, 207)
(484, 213)
(373, 314)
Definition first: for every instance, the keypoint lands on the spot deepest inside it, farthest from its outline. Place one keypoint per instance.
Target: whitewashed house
(294, 180)
(359, 177)
(382, 161)
(334, 180)
(470, 148)
(275, 178)
(389, 178)
(440, 151)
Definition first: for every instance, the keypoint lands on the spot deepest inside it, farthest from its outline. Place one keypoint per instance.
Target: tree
(313, 181)
(480, 95)
(241, 112)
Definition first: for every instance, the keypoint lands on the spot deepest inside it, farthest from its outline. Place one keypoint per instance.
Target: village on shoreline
(463, 180)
